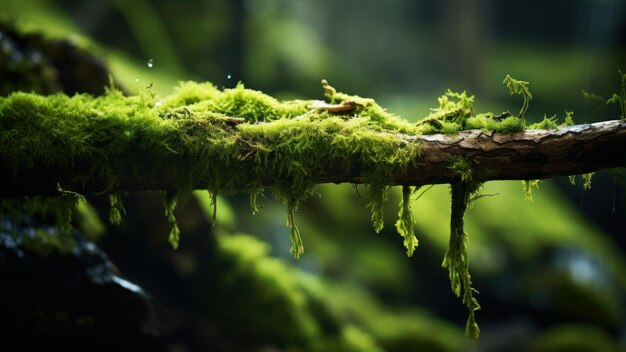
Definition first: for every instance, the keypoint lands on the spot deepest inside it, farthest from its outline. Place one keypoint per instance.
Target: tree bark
(531, 154)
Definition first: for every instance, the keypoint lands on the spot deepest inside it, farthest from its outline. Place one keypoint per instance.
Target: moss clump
(516, 86)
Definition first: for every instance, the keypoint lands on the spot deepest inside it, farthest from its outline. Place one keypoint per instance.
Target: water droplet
(229, 76)
(158, 103)
(137, 80)
(150, 63)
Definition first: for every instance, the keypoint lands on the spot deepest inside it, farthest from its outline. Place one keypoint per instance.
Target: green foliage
(406, 224)
(519, 87)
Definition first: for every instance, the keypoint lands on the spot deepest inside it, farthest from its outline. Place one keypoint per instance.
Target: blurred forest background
(550, 272)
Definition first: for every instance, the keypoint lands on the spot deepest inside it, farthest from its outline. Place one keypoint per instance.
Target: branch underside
(531, 154)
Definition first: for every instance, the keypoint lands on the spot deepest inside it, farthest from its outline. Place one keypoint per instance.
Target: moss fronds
(572, 180)
(406, 224)
(456, 258)
(587, 180)
(451, 116)
(297, 248)
(254, 194)
(519, 87)
(569, 119)
(489, 122)
(174, 234)
(548, 123)
(528, 188)
(117, 209)
(376, 197)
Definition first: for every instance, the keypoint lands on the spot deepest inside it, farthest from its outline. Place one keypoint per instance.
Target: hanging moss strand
(406, 223)
(456, 258)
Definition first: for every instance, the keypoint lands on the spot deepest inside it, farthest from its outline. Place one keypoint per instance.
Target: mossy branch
(527, 155)
(241, 140)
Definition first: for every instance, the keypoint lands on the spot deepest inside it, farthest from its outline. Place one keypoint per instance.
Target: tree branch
(531, 154)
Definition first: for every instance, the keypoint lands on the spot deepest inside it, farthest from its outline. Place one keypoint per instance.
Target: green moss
(377, 196)
(587, 180)
(87, 220)
(462, 167)
(247, 275)
(548, 123)
(456, 259)
(519, 87)
(174, 235)
(406, 224)
(117, 209)
(528, 188)
(569, 119)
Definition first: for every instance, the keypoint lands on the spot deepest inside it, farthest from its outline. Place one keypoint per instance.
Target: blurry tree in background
(538, 266)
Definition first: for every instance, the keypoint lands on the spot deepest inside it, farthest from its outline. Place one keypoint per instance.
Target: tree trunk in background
(463, 27)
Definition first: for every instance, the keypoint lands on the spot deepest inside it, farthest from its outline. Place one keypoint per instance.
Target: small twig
(341, 108)
(481, 196)
(424, 191)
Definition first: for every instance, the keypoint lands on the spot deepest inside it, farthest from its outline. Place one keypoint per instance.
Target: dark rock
(67, 299)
